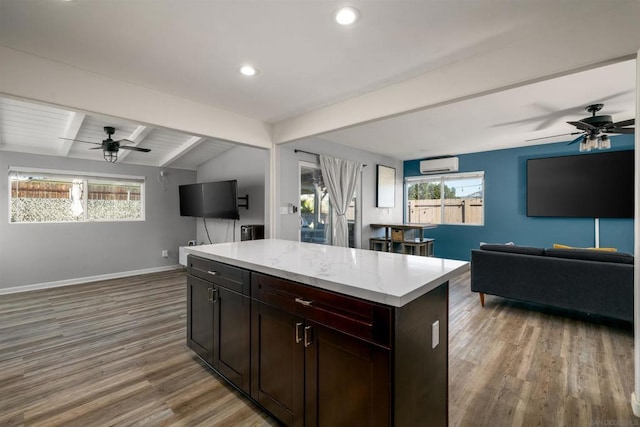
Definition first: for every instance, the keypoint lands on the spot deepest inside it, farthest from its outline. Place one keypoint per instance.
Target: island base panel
(420, 371)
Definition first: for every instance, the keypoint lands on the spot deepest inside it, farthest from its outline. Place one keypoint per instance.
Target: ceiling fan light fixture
(592, 142)
(110, 156)
(584, 145)
(604, 143)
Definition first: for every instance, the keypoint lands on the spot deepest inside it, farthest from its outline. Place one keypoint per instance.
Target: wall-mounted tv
(210, 199)
(586, 185)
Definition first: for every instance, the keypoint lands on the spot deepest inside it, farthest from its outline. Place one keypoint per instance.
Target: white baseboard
(635, 405)
(79, 280)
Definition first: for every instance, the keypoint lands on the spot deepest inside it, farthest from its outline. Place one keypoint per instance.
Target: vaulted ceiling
(487, 64)
(43, 129)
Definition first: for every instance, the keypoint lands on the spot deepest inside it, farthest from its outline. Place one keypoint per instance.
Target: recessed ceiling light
(248, 70)
(347, 15)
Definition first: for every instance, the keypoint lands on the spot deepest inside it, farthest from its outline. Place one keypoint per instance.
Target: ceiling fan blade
(582, 125)
(120, 141)
(620, 130)
(576, 140)
(79, 140)
(552, 136)
(127, 147)
(96, 148)
(625, 123)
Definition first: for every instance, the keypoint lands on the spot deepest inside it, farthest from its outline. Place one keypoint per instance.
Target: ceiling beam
(192, 143)
(70, 132)
(137, 136)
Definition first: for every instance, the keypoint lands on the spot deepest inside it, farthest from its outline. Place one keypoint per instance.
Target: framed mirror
(385, 186)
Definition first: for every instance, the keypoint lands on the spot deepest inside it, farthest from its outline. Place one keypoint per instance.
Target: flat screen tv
(190, 200)
(210, 200)
(586, 186)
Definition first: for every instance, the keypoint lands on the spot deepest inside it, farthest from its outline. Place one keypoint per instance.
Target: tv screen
(210, 200)
(587, 186)
(220, 200)
(190, 200)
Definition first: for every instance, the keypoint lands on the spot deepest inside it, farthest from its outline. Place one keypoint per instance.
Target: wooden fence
(62, 190)
(456, 211)
(40, 190)
(113, 192)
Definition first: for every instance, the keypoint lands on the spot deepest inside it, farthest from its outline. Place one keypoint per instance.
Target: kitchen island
(322, 335)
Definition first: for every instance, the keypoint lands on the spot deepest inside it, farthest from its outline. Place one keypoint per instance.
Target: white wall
(36, 254)
(289, 182)
(250, 167)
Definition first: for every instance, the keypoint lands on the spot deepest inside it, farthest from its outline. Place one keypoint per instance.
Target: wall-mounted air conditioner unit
(447, 164)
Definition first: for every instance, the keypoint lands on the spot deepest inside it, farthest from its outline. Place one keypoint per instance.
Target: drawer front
(363, 319)
(234, 278)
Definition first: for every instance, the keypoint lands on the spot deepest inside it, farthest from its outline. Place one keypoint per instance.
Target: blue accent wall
(506, 206)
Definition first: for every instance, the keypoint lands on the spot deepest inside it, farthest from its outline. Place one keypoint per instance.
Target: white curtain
(341, 177)
(76, 198)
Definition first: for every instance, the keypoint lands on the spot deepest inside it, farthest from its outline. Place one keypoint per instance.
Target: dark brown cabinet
(200, 318)
(218, 318)
(306, 369)
(313, 357)
(277, 365)
(346, 380)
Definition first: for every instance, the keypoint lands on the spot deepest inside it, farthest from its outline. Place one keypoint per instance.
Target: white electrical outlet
(165, 253)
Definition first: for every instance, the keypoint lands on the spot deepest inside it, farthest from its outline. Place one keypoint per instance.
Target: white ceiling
(504, 119)
(192, 49)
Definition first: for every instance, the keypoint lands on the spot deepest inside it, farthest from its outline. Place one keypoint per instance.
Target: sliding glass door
(316, 211)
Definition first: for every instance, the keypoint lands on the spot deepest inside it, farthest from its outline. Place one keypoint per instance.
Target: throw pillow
(559, 246)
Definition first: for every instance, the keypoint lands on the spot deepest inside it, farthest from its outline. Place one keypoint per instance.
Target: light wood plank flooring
(114, 353)
(109, 353)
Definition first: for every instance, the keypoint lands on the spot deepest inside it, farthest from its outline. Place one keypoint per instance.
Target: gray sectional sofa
(588, 281)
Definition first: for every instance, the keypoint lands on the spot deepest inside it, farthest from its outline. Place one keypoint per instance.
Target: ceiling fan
(593, 130)
(110, 147)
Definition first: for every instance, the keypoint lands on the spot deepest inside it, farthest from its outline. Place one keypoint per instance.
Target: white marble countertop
(383, 277)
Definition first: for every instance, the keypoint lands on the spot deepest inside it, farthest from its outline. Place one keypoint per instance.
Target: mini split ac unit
(447, 164)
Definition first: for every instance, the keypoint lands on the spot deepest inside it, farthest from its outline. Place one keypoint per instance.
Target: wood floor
(114, 353)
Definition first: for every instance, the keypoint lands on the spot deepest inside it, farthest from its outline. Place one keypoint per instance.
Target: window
(445, 199)
(60, 196)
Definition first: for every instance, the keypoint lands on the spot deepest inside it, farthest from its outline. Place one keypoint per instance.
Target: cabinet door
(347, 380)
(231, 354)
(277, 362)
(200, 317)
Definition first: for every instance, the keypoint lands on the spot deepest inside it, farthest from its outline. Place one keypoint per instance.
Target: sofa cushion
(590, 255)
(514, 249)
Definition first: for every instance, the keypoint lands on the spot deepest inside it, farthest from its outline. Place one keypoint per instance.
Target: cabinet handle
(298, 337)
(307, 336)
(304, 302)
(214, 295)
(213, 273)
(210, 290)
